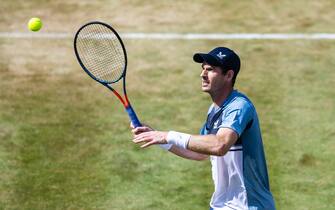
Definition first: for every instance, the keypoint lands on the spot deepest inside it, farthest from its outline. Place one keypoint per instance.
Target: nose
(203, 73)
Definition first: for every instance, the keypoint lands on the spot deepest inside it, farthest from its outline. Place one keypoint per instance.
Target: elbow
(220, 150)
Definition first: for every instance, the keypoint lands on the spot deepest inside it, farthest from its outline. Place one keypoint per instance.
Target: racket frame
(125, 101)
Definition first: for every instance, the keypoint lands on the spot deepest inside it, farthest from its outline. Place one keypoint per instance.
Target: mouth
(204, 83)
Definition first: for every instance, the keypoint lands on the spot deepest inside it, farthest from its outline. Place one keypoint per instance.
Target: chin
(205, 89)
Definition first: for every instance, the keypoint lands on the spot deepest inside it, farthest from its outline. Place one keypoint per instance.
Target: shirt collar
(216, 111)
(232, 95)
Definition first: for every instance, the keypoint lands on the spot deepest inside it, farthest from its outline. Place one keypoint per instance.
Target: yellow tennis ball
(35, 24)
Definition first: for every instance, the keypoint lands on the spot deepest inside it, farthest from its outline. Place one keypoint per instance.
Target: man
(231, 136)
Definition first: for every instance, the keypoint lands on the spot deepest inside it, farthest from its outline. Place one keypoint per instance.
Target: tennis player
(231, 136)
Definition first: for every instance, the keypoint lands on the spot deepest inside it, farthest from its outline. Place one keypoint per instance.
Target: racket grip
(133, 118)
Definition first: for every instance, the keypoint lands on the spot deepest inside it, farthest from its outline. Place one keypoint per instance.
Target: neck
(219, 98)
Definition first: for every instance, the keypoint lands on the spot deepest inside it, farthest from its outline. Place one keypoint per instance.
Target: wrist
(178, 139)
(166, 147)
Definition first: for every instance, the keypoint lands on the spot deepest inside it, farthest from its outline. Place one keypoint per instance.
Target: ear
(230, 74)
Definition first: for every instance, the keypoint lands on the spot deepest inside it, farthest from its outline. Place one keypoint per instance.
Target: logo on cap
(220, 55)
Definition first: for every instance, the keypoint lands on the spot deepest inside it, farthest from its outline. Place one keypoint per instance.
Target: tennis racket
(101, 53)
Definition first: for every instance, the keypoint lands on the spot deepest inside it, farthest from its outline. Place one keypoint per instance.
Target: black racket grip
(133, 118)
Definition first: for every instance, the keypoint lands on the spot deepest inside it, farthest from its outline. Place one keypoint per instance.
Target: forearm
(188, 154)
(208, 144)
(218, 144)
(204, 144)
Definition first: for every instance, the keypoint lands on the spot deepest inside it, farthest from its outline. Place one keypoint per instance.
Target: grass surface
(174, 16)
(65, 142)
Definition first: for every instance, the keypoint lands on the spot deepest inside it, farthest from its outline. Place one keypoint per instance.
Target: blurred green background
(65, 141)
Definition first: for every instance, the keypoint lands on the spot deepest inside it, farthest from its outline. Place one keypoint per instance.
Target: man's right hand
(141, 129)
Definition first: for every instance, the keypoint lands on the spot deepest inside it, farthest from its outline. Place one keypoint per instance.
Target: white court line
(184, 36)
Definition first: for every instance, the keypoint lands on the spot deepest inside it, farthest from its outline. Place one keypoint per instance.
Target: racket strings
(103, 62)
(101, 52)
(105, 56)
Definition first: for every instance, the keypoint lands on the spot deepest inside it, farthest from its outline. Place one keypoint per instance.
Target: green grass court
(65, 141)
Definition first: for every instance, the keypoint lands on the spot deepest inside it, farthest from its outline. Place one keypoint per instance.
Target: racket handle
(133, 118)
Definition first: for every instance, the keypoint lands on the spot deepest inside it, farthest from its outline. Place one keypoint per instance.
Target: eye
(208, 69)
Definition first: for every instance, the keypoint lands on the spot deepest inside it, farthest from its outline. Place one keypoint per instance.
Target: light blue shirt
(240, 176)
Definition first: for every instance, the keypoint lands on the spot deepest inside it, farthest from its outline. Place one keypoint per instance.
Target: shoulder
(240, 102)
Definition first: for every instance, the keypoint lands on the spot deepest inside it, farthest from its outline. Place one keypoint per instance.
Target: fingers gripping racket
(101, 53)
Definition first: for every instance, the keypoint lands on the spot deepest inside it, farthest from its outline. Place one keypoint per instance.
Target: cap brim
(202, 57)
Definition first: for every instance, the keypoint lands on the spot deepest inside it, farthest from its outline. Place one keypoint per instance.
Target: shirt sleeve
(203, 130)
(237, 118)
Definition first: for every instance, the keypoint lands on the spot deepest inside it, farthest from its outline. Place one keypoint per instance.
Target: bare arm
(218, 144)
(188, 154)
(184, 153)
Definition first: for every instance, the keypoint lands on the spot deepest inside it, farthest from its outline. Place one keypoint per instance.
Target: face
(212, 79)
